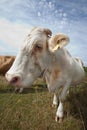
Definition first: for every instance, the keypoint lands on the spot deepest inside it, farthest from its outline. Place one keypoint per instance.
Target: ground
(32, 110)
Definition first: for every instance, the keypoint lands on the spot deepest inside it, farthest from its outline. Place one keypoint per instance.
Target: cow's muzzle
(13, 79)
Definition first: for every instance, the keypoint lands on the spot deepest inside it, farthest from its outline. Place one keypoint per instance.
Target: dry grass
(32, 109)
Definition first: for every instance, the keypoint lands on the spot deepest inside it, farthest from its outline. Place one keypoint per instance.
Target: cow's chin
(22, 85)
(17, 84)
(25, 84)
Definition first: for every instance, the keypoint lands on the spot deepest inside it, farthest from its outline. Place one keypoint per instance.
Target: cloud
(2, 49)
(13, 34)
(60, 16)
(32, 12)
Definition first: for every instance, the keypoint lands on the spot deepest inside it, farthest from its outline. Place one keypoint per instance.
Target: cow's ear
(58, 41)
(48, 31)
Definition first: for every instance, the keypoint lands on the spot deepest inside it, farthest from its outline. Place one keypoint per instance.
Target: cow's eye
(38, 47)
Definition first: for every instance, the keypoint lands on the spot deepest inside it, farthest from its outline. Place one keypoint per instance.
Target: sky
(18, 17)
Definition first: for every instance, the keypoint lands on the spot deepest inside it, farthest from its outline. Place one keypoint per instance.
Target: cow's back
(78, 71)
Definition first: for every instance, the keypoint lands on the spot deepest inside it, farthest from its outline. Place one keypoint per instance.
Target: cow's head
(25, 68)
(36, 54)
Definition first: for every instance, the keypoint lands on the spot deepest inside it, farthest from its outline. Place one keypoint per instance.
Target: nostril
(14, 80)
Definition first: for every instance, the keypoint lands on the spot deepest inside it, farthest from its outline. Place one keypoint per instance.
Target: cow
(45, 54)
(5, 63)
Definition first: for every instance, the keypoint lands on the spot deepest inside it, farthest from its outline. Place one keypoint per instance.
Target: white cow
(42, 53)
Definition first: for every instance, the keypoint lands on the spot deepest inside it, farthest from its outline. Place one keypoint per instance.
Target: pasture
(32, 110)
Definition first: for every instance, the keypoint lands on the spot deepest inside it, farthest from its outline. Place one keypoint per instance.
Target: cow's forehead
(32, 39)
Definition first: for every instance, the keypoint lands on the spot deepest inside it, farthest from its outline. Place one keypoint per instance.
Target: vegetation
(32, 110)
(85, 68)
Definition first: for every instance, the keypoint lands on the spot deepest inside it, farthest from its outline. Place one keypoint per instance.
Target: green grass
(32, 110)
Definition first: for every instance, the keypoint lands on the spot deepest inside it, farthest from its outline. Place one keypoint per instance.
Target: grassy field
(32, 110)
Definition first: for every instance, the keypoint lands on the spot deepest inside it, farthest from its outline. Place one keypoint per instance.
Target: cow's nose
(12, 79)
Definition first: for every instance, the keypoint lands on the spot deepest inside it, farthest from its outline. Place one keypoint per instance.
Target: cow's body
(60, 68)
(47, 55)
(5, 63)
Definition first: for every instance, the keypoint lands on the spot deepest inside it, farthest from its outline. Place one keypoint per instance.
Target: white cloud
(39, 14)
(60, 16)
(13, 34)
(2, 48)
(64, 14)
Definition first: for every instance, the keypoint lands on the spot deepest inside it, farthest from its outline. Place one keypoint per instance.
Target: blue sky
(17, 17)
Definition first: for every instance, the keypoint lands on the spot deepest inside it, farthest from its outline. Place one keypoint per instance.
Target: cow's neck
(47, 61)
(55, 60)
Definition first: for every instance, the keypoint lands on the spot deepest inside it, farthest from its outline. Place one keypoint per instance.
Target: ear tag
(56, 47)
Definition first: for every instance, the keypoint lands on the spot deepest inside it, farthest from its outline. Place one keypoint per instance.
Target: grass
(32, 110)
